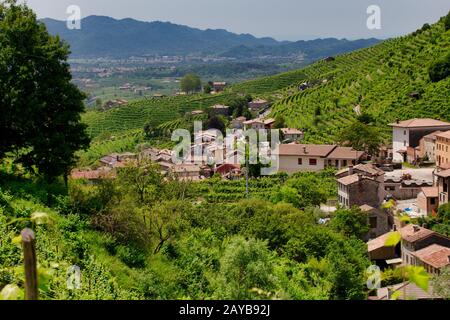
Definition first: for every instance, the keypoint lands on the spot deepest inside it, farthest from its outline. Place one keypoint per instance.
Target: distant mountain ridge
(102, 36)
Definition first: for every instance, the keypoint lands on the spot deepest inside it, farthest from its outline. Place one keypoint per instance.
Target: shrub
(447, 22)
(131, 256)
(440, 69)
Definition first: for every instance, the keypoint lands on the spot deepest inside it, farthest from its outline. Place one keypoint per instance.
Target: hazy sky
(282, 19)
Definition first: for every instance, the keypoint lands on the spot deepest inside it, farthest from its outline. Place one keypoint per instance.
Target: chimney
(398, 120)
(305, 151)
(350, 170)
(416, 228)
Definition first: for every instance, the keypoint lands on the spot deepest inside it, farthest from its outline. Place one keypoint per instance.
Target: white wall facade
(400, 141)
(290, 164)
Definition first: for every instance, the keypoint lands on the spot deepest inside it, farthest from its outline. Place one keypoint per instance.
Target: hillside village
(369, 184)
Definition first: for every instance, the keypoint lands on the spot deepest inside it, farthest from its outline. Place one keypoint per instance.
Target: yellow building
(443, 149)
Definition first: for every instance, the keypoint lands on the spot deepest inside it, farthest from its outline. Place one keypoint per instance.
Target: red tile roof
(345, 153)
(348, 180)
(445, 135)
(311, 150)
(379, 242)
(431, 192)
(417, 123)
(443, 174)
(413, 233)
(435, 255)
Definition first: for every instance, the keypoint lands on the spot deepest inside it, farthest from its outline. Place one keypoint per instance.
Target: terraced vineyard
(389, 81)
(155, 111)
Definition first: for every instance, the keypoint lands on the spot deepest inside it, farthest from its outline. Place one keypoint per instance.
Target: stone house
(238, 123)
(359, 185)
(428, 200)
(427, 147)
(258, 105)
(433, 258)
(443, 184)
(292, 134)
(405, 188)
(414, 239)
(380, 221)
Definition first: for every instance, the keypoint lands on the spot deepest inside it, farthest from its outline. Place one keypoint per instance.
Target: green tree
(440, 69)
(244, 266)
(302, 192)
(347, 264)
(362, 137)
(191, 83)
(351, 222)
(166, 220)
(207, 88)
(441, 283)
(40, 107)
(216, 122)
(279, 122)
(447, 22)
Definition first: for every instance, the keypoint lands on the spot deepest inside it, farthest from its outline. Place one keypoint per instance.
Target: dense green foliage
(440, 70)
(190, 83)
(155, 238)
(40, 108)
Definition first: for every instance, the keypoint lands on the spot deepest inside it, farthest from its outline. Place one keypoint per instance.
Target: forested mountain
(101, 36)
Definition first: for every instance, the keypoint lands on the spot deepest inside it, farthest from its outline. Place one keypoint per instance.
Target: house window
(404, 132)
(373, 222)
(404, 143)
(433, 201)
(300, 161)
(313, 162)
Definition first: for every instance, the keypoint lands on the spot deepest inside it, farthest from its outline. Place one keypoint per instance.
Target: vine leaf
(393, 239)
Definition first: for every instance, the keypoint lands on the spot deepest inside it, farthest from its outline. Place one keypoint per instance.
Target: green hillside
(389, 81)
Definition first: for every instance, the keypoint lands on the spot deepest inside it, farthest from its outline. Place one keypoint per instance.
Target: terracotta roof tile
(379, 242)
(413, 233)
(416, 123)
(435, 255)
(444, 173)
(370, 169)
(311, 150)
(445, 134)
(345, 153)
(431, 192)
(348, 180)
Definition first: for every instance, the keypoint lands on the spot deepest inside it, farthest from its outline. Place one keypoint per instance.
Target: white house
(408, 133)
